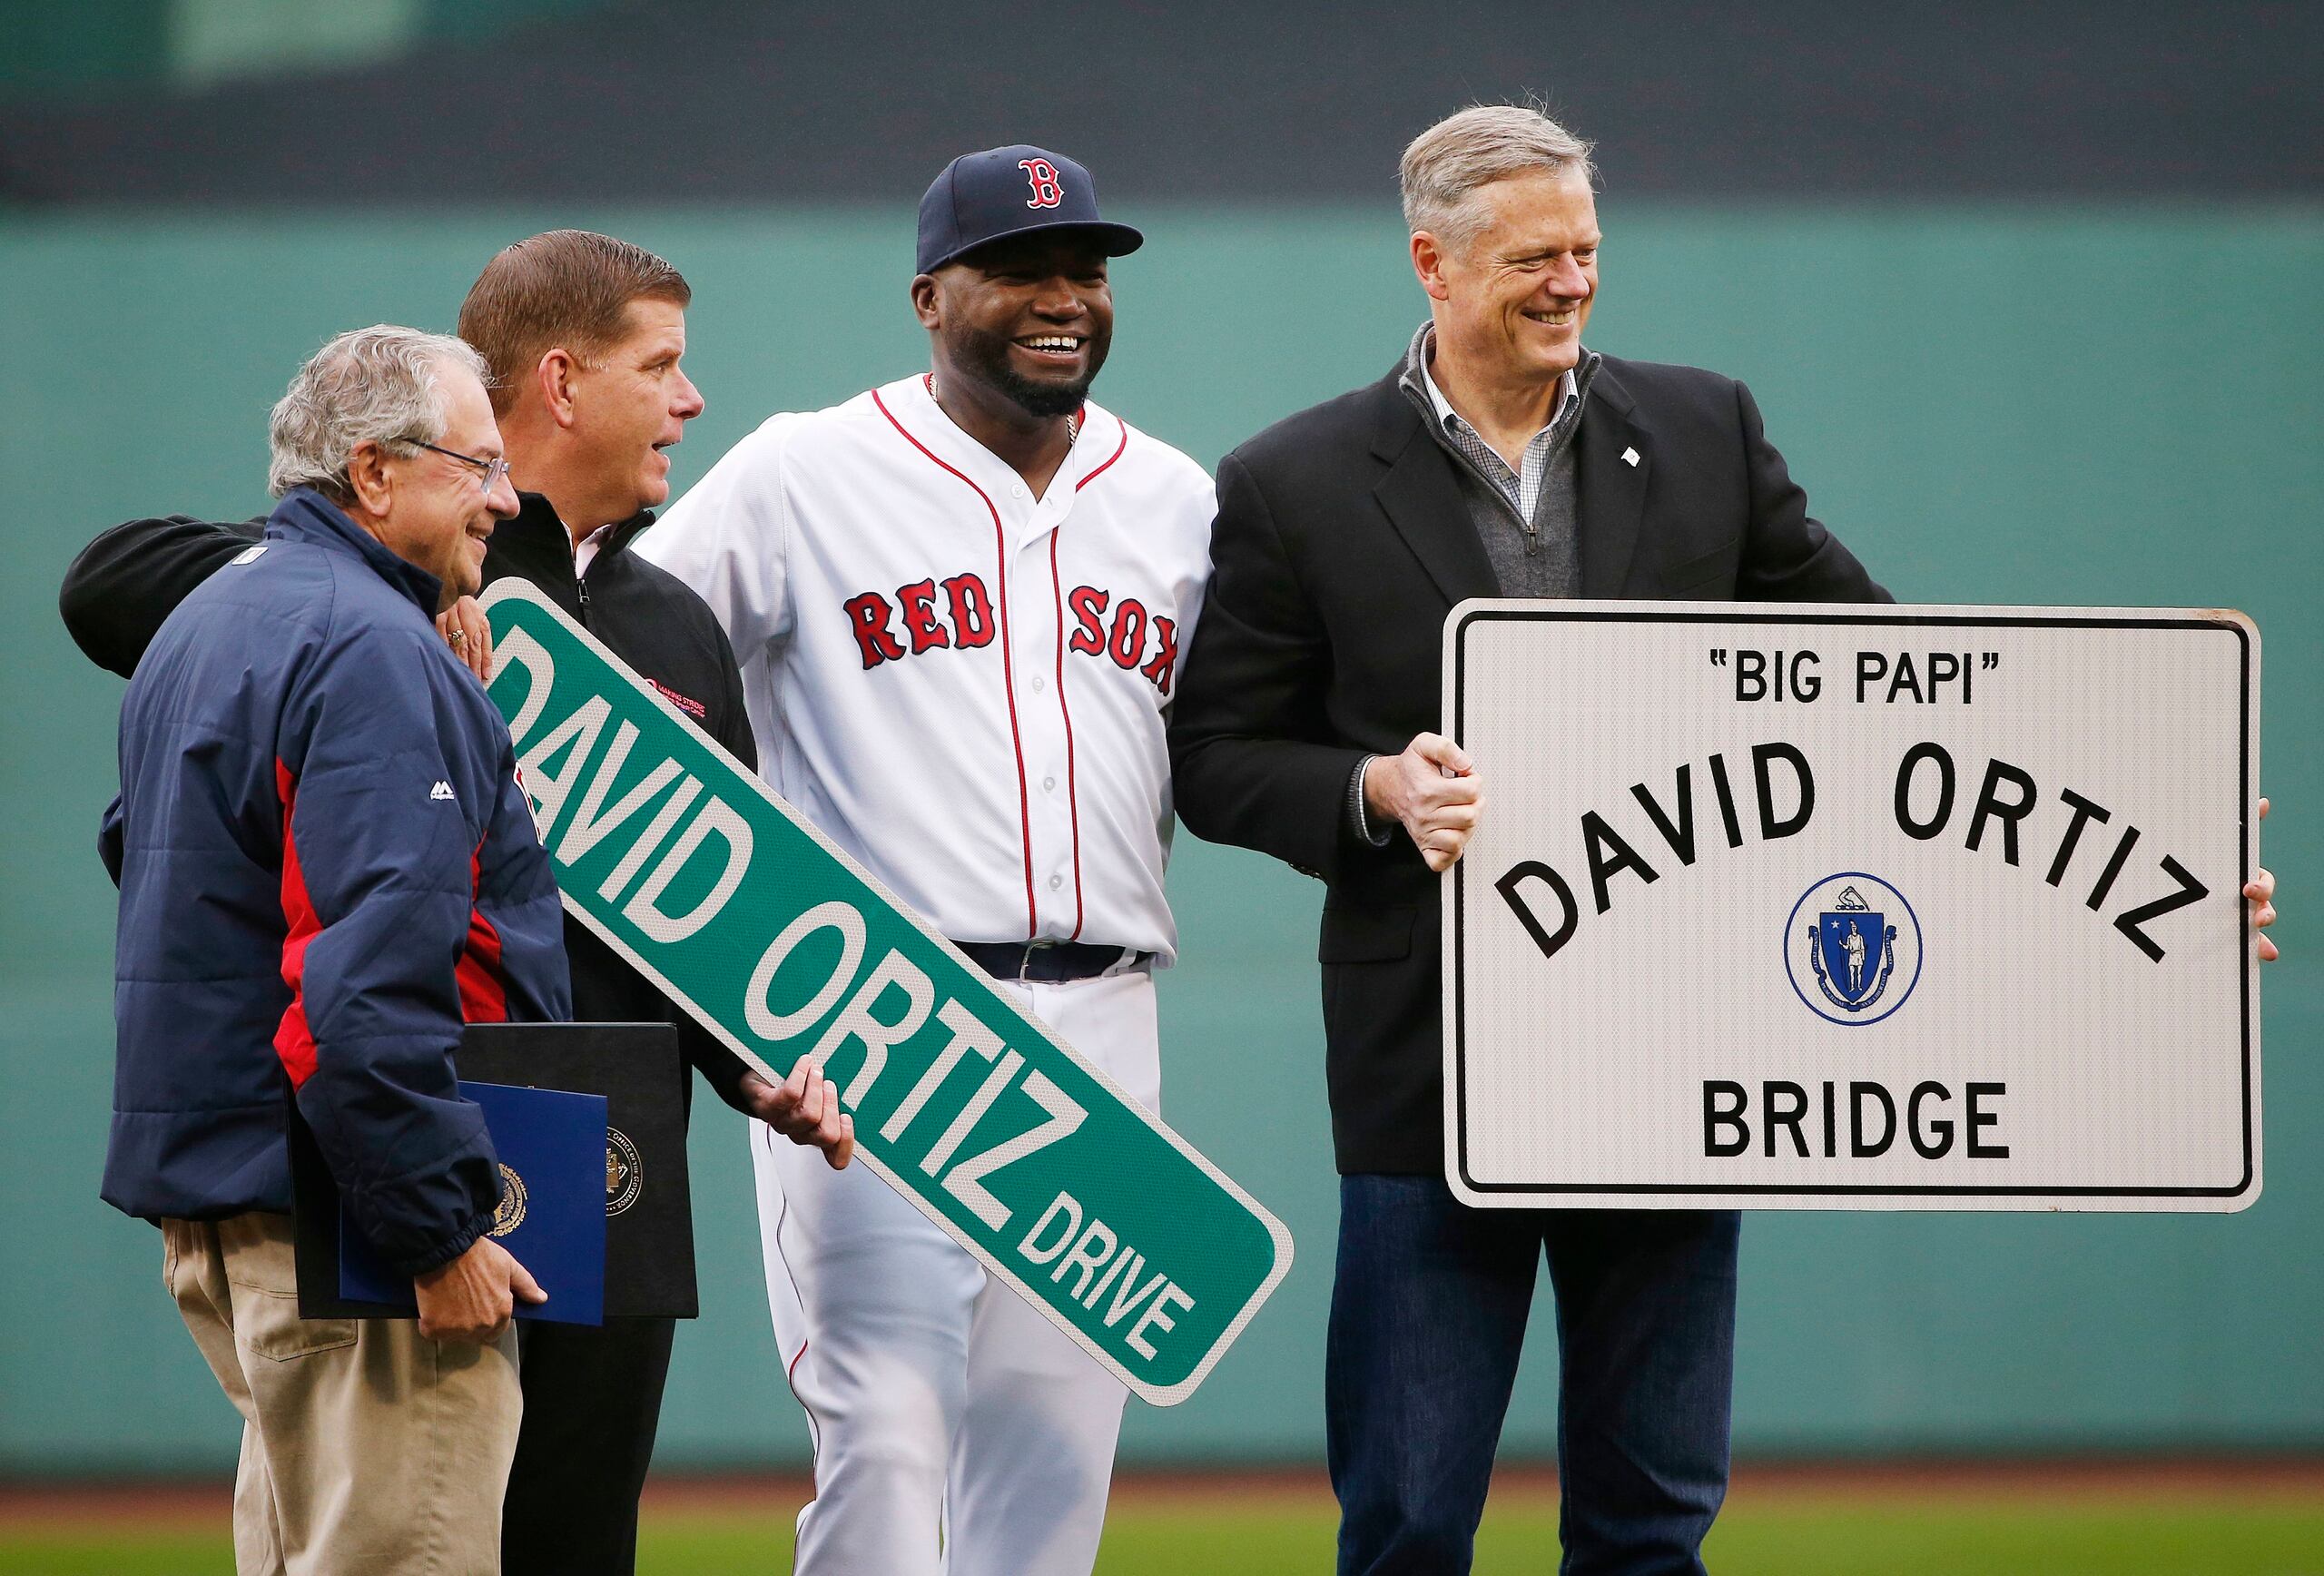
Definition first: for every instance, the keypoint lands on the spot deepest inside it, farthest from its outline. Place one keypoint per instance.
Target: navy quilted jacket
(326, 866)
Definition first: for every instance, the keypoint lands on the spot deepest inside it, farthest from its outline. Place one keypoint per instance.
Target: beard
(985, 354)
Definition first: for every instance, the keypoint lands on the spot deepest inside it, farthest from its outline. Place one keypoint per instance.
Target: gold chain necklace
(1072, 422)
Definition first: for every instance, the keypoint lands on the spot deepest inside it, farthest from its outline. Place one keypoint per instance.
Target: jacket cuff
(445, 1252)
(720, 1067)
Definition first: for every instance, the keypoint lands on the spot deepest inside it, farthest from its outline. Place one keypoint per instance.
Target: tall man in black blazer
(1499, 457)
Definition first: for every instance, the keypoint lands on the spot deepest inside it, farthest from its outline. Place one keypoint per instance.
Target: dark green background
(1995, 405)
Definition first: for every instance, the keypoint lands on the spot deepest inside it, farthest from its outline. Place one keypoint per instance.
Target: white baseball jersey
(964, 686)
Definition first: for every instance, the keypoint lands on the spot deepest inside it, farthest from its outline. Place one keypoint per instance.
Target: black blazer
(1343, 542)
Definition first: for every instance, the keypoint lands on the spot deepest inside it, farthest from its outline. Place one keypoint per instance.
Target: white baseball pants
(956, 1431)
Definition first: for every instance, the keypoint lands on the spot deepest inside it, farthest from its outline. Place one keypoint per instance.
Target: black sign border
(1730, 614)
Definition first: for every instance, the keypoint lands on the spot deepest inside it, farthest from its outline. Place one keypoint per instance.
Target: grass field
(1961, 1525)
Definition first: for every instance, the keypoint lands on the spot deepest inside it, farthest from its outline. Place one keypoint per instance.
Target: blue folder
(552, 1217)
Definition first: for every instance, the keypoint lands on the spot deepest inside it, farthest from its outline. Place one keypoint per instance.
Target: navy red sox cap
(982, 197)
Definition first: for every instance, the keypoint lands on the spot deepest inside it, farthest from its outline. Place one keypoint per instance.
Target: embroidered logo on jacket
(442, 790)
(686, 704)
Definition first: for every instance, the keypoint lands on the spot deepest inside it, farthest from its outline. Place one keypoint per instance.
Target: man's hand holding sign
(2261, 891)
(806, 1110)
(1430, 790)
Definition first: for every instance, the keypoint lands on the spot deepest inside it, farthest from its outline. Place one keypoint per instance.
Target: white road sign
(1815, 906)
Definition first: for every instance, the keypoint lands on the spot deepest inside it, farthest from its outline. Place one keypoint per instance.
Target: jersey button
(1016, 491)
(1055, 881)
(1049, 783)
(1038, 687)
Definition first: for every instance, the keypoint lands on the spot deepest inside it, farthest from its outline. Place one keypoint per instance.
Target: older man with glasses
(584, 334)
(326, 867)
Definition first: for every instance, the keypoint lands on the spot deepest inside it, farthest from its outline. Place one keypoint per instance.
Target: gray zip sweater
(1536, 553)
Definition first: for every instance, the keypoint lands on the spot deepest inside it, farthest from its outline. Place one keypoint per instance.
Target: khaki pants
(366, 1450)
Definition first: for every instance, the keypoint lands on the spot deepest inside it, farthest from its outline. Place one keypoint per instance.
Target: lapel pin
(1629, 457)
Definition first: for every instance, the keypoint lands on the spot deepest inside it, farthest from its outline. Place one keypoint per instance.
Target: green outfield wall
(1991, 406)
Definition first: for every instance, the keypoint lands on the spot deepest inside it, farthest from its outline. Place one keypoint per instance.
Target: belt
(1048, 962)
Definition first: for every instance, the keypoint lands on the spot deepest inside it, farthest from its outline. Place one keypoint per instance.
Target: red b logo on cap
(1046, 192)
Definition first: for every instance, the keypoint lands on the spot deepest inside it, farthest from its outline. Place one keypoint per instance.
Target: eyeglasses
(493, 471)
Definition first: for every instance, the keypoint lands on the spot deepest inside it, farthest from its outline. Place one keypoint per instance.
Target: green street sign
(1028, 1157)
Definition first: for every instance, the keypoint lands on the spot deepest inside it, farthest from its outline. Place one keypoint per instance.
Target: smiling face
(631, 403)
(1028, 319)
(1511, 301)
(437, 514)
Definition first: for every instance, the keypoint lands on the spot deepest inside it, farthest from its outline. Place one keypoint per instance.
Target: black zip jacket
(125, 583)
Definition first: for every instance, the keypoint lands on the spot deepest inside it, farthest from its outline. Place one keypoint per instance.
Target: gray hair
(375, 385)
(1475, 147)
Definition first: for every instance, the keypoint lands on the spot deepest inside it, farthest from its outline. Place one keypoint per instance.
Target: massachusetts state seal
(1852, 946)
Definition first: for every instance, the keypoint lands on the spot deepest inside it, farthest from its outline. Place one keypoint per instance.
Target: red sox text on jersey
(887, 629)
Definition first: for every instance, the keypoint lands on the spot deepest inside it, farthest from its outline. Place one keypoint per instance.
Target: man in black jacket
(584, 335)
(1499, 459)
